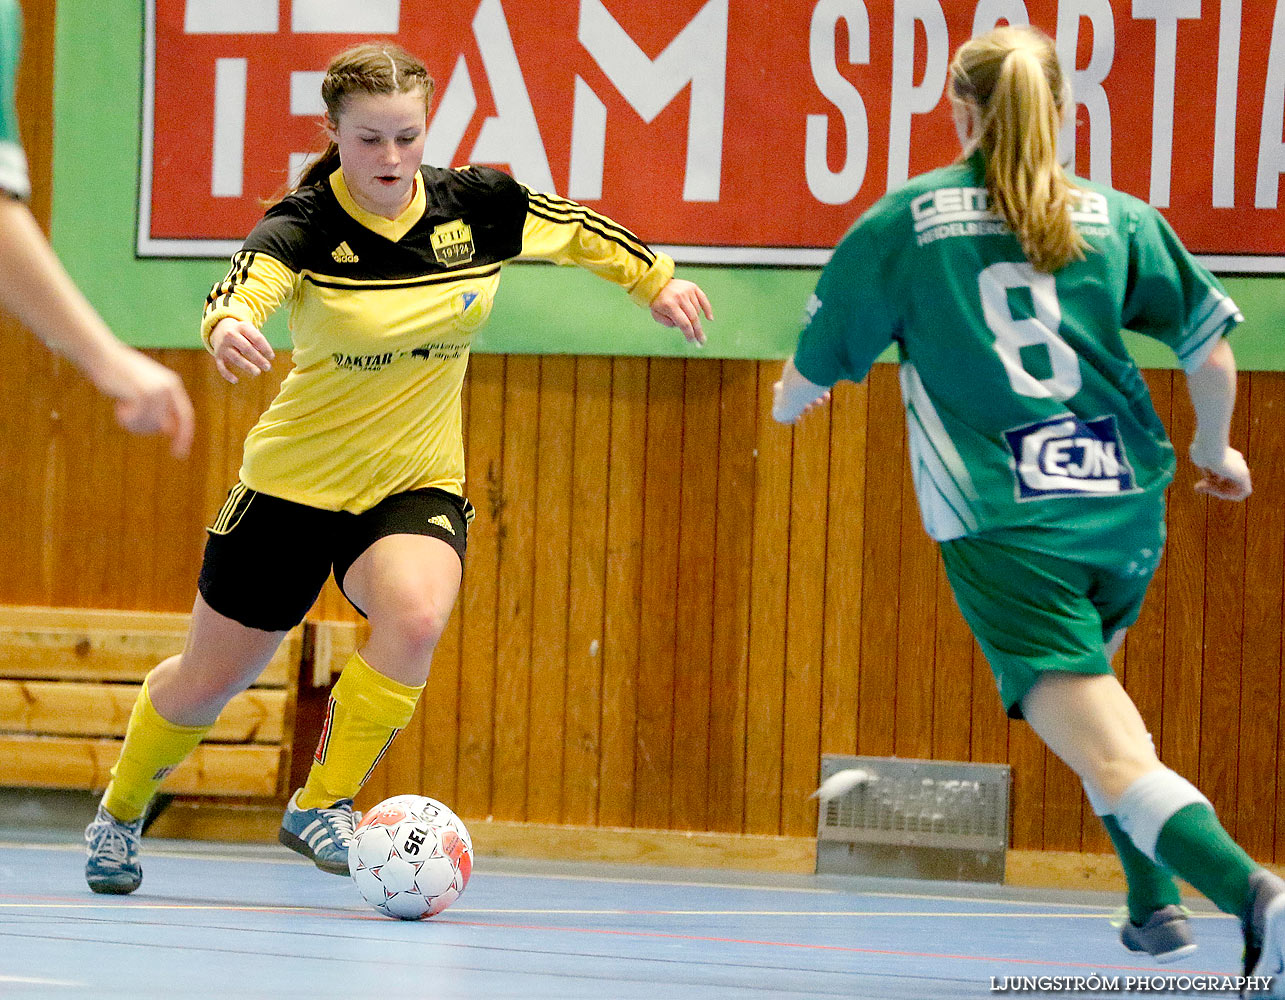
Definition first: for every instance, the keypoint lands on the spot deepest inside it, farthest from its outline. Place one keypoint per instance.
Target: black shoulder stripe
(571, 210)
(239, 275)
(241, 262)
(646, 257)
(562, 210)
(221, 286)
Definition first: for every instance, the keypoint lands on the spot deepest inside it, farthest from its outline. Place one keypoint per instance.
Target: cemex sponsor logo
(1067, 456)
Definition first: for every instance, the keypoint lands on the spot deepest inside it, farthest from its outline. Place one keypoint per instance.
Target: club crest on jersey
(471, 308)
(452, 243)
(1066, 456)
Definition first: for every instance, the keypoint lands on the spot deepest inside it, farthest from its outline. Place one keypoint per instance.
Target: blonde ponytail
(1012, 76)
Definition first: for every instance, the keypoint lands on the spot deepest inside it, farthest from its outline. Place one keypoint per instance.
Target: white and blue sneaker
(1166, 936)
(320, 835)
(1264, 928)
(112, 846)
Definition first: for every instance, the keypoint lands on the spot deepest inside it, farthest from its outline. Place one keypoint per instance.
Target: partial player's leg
(1156, 922)
(1041, 619)
(265, 561)
(177, 705)
(406, 585)
(1091, 723)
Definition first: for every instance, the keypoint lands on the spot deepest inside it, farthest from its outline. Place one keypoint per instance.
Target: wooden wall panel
(661, 530)
(623, 591)
(1143, 662)
(952, 677)
(733, 571)
(800, 660)
(1063, 797)
(881, 543)
(1026, 756)
(844, 568)
(916, 624)
(582, 754)
(437, 749)
(483, 439)
(780, 558)
(671, 604)
(769, 601)
(1257, 824)
(554, 507)
(1179, 742)
(515, 541)
(1224, 616)
(805, 620)
(35, 100)
(693, 614)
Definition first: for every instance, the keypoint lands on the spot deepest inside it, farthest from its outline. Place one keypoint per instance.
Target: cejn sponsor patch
(1066, 456)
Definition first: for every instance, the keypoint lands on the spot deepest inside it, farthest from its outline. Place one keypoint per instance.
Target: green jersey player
(13, 164)
(1039, 462)
(35, 288)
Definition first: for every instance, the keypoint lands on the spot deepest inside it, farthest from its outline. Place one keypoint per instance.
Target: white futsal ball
(411, 857)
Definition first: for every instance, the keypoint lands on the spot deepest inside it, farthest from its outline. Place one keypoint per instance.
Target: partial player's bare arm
(794, 395)
(239, 348)
(1212, 388)
(36, 289)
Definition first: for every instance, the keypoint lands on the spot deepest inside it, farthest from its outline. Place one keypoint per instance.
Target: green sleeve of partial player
(1171, 296)
(13, 164)
(849, 321)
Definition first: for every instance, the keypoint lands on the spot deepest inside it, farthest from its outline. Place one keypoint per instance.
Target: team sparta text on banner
(735, 131)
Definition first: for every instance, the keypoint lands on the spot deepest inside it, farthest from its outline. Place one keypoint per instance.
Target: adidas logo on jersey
(442, 521)
(343, 254)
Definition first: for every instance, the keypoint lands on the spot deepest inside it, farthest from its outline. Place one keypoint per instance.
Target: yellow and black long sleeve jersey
(382, 314)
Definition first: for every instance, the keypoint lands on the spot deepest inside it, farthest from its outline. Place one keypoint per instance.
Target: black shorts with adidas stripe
(266, 559)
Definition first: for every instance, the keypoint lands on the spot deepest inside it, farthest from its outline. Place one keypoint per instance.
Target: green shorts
(1032, 611)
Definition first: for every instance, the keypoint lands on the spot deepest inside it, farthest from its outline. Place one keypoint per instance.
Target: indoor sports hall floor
(235, 921)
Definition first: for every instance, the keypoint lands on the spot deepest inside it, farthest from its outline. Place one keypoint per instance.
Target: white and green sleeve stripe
(945, 490)
(1205, 328)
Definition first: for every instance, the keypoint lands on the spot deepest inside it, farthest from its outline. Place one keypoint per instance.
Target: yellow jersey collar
(392, 229)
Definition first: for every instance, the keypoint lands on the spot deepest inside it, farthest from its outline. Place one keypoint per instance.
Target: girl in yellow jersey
(389, 268)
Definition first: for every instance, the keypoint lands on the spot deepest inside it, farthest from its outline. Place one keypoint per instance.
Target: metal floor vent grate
(916, 819)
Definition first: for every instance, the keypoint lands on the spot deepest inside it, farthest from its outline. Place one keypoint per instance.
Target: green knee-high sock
(1193, 844)
(1150, 886)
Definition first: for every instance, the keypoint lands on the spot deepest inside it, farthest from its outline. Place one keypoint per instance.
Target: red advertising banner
(731, 131)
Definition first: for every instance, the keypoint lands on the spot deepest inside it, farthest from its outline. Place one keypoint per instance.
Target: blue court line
(292, 931)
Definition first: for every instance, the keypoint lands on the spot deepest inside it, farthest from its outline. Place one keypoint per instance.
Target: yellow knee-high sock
(153, 747)
(366, 711)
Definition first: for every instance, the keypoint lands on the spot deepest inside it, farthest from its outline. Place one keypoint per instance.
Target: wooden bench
(68, 680)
